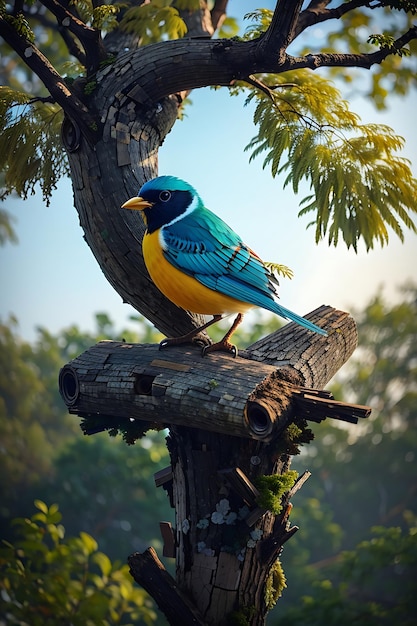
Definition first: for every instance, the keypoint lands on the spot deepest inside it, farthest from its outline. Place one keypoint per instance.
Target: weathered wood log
(176, 386)
(232, 422)
(314, 360)
(221, 394)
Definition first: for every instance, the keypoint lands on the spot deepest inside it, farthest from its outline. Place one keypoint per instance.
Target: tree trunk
(232, 423)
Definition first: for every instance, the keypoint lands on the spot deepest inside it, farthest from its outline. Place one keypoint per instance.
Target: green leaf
(41, 506)
(279, 269)
(361, 189)
(88, 542)
(104, 563)
(261, 18)
(104, 17)
(30, 145)
(154, 22)
(21, 25)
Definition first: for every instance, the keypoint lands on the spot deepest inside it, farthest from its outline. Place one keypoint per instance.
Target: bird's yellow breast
(182, 289)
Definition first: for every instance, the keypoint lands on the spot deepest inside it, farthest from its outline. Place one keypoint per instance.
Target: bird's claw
(220, 346)
(166, 342)
(177, 341)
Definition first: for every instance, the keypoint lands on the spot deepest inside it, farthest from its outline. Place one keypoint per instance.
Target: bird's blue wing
(205, 247)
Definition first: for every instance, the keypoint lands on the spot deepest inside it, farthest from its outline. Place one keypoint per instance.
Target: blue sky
(51, 278)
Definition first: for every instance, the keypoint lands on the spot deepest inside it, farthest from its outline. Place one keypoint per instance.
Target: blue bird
(199, 262)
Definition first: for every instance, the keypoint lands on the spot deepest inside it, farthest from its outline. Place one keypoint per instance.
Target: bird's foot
(178, 341)
(225, 345)
(220, 346)
(191, 337)
(170, 341)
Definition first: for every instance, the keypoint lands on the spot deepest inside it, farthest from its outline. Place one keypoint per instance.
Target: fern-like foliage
(18, 22)
(7, 232)
(277, 269)
(261, 19)
(100, 16)
(360, 187)
(155, 21)
(31, 152)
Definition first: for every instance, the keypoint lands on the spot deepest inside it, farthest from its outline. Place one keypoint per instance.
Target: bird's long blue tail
(290, 315)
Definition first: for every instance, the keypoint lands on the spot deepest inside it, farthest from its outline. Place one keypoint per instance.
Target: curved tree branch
(281, 31)
(90, 38)
(317, 12)
(314, 61)
(52, 80)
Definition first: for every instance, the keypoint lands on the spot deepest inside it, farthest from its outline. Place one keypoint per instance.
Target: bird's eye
(164, 196)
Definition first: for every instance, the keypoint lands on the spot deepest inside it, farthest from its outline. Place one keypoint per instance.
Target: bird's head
(164, 200)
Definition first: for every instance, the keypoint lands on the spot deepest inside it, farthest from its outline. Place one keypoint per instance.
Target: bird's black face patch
(167, 205)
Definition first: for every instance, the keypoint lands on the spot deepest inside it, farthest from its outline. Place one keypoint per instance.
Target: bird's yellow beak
(137, 204)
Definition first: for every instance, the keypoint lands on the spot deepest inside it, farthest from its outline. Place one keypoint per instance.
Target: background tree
(47, 578)
(42, 455)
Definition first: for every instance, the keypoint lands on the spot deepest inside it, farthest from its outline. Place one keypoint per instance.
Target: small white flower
(230, 518)
(223, 506)
(202, 523)
(185, 526)
(201, 546)
(217, 518)
(256, 534)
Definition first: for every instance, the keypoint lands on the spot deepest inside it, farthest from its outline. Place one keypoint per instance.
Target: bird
(199, 263)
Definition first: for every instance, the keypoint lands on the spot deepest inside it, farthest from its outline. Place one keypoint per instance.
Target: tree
(32, 423)
(116, 116)
(46, 578)
(370, 585)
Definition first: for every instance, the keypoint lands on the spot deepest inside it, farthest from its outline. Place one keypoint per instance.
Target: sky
(51, 278)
